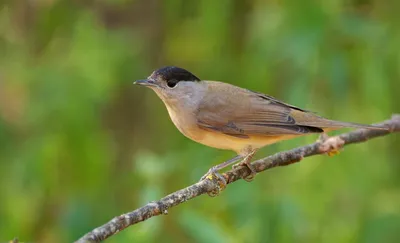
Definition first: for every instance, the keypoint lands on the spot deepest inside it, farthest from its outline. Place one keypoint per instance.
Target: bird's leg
(247, 162)
(213, 172)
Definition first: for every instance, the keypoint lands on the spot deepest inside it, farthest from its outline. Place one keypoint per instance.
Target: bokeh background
(79, 144)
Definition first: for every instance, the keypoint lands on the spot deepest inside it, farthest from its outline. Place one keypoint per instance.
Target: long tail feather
(339, 124)
(310, 119)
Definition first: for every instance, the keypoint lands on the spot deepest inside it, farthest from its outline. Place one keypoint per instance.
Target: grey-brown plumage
(250, 114)
(225, 116)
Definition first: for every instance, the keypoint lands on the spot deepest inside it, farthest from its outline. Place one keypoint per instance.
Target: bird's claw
(253, 172)
(217, 178)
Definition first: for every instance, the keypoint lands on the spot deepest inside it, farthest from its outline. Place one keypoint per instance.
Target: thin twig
(209, 185)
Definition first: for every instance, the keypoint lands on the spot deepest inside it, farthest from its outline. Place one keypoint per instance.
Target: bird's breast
(184, 120)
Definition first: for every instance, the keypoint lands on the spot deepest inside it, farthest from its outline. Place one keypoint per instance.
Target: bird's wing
(242, 113)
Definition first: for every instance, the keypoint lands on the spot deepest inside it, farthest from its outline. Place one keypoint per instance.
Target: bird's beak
(145, 82)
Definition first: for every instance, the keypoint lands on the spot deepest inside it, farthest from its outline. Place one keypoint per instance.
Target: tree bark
(210, 185)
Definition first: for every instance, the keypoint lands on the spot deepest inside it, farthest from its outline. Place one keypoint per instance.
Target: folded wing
(245, 113)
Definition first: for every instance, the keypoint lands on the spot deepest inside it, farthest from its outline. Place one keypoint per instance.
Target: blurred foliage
(80, 144)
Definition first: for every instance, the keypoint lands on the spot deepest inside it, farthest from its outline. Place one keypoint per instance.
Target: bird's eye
(172, 83)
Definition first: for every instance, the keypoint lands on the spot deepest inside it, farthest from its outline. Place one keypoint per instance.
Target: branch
(207, 186)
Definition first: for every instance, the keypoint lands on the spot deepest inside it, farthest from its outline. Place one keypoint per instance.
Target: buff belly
(239, 145)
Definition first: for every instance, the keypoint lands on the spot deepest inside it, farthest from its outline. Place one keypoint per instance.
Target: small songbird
(225, 116)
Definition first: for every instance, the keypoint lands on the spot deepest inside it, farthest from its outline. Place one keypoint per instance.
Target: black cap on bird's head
(171, 72)
(171, 75)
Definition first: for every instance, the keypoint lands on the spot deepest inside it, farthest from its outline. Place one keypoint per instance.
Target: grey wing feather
(228, 129)
(258, 114)
(276, 101)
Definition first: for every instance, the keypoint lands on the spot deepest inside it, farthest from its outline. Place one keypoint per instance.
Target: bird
(228, 117)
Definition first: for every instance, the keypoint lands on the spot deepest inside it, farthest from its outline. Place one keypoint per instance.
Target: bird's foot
(330, 145)
(247, 163)
(217, 178)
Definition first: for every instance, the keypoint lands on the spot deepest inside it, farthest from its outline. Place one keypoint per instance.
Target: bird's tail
(310, 119)
(333, 125)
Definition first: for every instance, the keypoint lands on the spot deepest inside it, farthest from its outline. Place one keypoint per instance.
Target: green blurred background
(79, 144)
